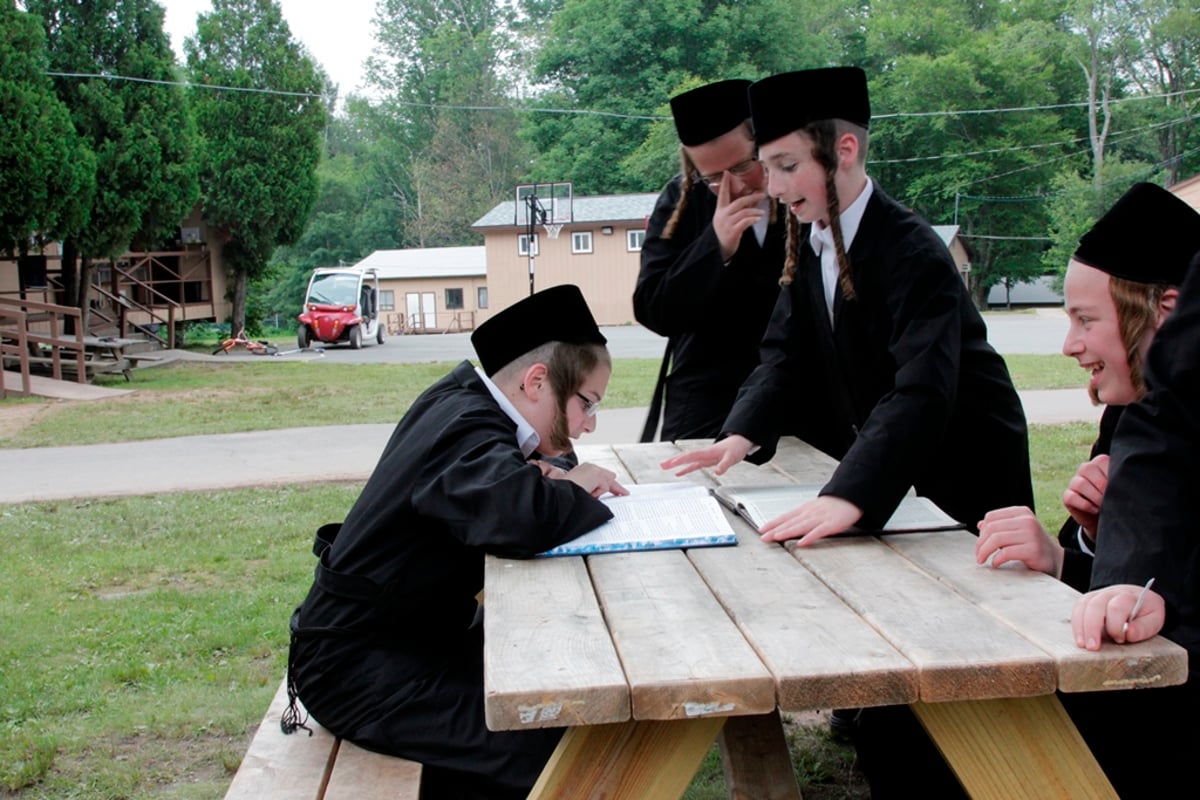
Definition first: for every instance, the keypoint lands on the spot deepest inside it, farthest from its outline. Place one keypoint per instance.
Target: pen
(1137, 605)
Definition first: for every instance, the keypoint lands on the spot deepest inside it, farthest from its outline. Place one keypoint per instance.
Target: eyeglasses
(590, 406)
(738, 170)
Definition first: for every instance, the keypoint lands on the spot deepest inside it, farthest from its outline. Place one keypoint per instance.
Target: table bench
(317, 767)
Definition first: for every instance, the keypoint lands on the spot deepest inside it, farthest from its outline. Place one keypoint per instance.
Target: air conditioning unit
(189, 235)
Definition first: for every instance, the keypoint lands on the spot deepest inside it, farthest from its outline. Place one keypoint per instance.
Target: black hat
(557, 314)
(788, 101)
(1148, 236)
(703, 114)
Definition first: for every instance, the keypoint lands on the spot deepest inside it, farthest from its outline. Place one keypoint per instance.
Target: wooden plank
(362, 775)
(683, 656)
(1039, 607)
(961, 652)
(643, 462)
(630, 761)
(756, 758)
(603, 456)
(1008, 749)
(821, 653)
(802, 462)
(282, 767)
(549, 660)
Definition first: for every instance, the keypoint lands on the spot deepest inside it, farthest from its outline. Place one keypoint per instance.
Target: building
(423, 290)
(598, 247)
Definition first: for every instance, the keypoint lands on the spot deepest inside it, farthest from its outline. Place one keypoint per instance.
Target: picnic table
(647, 656)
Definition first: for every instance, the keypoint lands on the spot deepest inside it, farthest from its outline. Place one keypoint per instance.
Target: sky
(337, 33)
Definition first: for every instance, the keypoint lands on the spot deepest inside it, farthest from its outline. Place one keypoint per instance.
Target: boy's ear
(846, 148)
(1166, 304)
(534, 379)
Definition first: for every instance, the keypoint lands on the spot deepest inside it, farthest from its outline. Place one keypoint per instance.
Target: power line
(185, 84)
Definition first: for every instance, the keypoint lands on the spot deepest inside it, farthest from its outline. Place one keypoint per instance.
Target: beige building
(431, 289)
(598, 249)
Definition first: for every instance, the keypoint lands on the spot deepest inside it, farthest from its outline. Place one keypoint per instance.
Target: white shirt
(760, 227)
(527, 437)
(821, 241)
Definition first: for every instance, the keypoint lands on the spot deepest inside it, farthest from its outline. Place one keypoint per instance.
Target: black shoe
(842, 724)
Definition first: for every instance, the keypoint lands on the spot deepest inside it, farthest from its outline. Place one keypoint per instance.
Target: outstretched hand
(812, 521)
(596, 480)
(724, 454)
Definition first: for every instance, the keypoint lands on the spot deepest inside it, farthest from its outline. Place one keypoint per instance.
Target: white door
(420, 311)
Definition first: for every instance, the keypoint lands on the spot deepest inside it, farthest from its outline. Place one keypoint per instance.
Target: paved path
(349, 452)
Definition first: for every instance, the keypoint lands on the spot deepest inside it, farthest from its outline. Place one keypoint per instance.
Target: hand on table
(1103, 613)
(734, 216)
(1014, 534)
(724, 454)
(1085, 493)
(595, 480)
(812, 521)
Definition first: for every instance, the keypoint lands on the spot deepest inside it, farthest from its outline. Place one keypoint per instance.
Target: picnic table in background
(646, 656)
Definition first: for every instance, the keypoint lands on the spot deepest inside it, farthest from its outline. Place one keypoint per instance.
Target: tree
(133, 119)
(612, 63)
(455, 138)
(260, 135)
(48, 173)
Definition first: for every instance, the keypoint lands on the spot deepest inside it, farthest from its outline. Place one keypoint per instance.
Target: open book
(655, 516)
(761, 504)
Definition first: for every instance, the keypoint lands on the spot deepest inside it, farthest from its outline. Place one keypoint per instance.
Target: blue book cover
(655, 516)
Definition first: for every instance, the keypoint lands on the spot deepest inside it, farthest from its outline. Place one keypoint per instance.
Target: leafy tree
(133, 119)
(48, 173)
(987, 172)
(260, 146)
(456, 152)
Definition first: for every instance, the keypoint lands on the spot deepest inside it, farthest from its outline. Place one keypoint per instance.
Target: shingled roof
(603, 208)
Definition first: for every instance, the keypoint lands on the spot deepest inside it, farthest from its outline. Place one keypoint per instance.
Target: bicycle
(258, 348)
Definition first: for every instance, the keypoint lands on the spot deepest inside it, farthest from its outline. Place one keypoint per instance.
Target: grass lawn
(143, 637)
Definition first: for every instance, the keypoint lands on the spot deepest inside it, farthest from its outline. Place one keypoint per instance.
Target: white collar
(527, 437)
(850, 219)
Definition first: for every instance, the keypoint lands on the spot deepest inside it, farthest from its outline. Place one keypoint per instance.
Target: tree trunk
(238, 313)
(69, 280)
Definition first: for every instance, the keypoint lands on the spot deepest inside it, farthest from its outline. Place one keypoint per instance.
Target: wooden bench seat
(317, 767)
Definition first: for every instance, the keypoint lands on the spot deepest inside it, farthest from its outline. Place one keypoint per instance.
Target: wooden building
(431, 289)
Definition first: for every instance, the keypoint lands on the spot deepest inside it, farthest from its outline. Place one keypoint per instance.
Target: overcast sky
(337, 33)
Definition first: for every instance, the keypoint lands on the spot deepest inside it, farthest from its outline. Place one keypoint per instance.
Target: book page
(761, 504)
(655, 516)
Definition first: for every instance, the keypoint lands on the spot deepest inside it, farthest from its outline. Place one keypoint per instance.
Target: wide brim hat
(1148, 236)
(557, 314)
(788, 101)
(713, 110)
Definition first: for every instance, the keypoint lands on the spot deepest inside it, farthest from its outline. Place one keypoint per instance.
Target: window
(581, 242)
(634, 239)
(523, 245)
(387, 300)
(454, 299)
(481, 297)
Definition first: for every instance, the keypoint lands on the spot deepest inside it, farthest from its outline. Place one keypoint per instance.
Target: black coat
(714, 314)
(1149, 527)
(1146, 740)
(385, 652)
(904, 388)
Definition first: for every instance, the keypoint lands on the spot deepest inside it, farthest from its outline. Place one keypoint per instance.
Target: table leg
(757, 761)
(1014, 748)
(638, 760)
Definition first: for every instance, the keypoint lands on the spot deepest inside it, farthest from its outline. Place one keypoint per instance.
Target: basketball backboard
(554, 199)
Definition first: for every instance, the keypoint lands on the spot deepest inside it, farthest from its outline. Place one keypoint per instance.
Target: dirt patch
(16, 417)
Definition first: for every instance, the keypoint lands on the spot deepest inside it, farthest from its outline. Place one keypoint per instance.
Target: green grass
(144, 637)
(191, 398)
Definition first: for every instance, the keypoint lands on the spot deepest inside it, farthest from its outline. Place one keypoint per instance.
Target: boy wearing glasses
(387, 648)
(710, 263)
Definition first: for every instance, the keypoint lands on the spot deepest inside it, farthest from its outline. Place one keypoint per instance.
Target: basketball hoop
(552, 229)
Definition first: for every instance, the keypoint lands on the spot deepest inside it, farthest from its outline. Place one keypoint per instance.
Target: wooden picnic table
(645, 656)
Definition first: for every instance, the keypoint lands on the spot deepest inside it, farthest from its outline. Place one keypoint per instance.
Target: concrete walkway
(261, 458)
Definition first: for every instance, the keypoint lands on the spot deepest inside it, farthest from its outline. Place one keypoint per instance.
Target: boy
(1119, 291)
(710, 263)
(387, 649)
